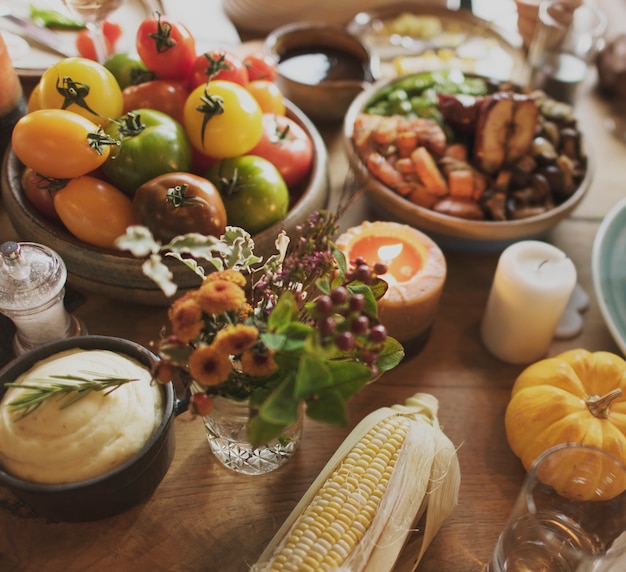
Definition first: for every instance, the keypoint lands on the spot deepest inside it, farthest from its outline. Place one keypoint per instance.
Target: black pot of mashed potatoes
(99, 456)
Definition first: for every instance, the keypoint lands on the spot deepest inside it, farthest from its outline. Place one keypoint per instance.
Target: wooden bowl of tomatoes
(117, 274)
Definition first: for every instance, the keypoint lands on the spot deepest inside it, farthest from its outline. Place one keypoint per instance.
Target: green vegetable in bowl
(53, 19)
(418, 94)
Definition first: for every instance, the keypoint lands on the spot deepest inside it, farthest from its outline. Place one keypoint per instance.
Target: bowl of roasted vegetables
(472, 161)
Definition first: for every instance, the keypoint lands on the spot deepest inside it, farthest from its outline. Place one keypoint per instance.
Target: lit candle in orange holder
(416, 272)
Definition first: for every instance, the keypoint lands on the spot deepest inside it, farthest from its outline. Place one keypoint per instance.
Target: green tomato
(128, 69)
(254, 192)
(151, 143)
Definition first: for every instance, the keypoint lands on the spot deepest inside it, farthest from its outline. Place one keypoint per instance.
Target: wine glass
(92, 13)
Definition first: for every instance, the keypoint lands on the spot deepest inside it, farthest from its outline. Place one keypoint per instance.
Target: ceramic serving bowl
(117, 490)
(452, 232)
(117, 274)
(321, 68)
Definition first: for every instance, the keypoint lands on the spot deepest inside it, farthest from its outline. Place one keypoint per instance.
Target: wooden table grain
(203, 517)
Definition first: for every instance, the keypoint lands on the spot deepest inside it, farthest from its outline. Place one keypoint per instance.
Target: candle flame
(389, 252)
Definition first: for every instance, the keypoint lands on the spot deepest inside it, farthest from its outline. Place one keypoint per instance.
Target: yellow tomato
(56, 143)
(84, 87)
(34, 99)
(268, 95)
(222, 119)
(94, 211)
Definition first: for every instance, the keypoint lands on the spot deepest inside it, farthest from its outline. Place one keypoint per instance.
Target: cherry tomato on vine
(40, 192)
(218, 64)
(222, 119)
(268, 95)
(178, 203)
(167, 96)
(60, 144)
(94, 211)
(260, 66)
(287, 146)
(253, 191)
(152, 143)
(166, 47)
(82, 86)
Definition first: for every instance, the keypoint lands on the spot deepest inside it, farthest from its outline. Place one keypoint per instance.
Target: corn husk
(422, 490)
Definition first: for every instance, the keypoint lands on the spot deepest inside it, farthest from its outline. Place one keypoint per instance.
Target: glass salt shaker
(32, 288)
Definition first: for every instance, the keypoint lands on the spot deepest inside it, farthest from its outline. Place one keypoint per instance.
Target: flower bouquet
(299, 328)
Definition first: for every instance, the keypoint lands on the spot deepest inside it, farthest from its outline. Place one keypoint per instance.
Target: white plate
(207, 23)
(31, 61)
(608, 270)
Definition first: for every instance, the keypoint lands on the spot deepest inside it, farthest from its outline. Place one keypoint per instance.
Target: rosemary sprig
(66, 388)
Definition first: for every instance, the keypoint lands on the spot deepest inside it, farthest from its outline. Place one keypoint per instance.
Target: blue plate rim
(611, 229)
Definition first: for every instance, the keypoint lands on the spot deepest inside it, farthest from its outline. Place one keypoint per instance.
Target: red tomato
(164, 95)
(260, 66)
(179, 203)
(84, 40)
(218, 64)
(166, 47)
(94, 211)
(39, 191)
(287, 146)
(201, 162)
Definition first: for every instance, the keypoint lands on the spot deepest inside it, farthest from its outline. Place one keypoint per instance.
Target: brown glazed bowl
(326, 101)
(117, 490)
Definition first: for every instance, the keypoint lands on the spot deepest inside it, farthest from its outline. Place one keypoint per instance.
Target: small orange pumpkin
(575, 397)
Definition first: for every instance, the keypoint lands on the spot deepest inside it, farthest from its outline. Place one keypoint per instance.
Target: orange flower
(236, 339)
(228, 274)
(208, 366)
(219, 296)
(258, 365)
(185, 315)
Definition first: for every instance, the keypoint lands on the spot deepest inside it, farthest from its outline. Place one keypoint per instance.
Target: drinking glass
(92, 13)
(570, 515)
(567, 38)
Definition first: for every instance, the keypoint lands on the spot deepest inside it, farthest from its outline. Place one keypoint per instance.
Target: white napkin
(206, 20)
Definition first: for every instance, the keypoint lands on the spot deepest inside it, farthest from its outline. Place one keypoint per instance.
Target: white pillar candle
(532, 284)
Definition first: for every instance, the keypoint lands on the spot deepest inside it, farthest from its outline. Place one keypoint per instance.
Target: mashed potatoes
(90, 437)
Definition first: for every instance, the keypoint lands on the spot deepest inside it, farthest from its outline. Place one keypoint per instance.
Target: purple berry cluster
(341, 318)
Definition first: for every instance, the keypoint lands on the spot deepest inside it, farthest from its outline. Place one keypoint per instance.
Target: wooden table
(206, 518)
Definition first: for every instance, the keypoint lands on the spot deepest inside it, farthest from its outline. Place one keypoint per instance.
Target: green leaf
(273, 340)
(371, 306)
(285, 312)
(190, 263)
(313, 377)
(281, 407)
(328, 408)
(47, 18)
(160, 274)
(139, 241)
(240, 254)
(261, 432)
(390, 356)
(198, 246)
(349, 376)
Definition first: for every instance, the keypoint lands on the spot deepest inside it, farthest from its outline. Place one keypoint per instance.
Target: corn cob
(395, 467)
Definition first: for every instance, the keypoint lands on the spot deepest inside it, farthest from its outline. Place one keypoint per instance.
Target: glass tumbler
(570, 515)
